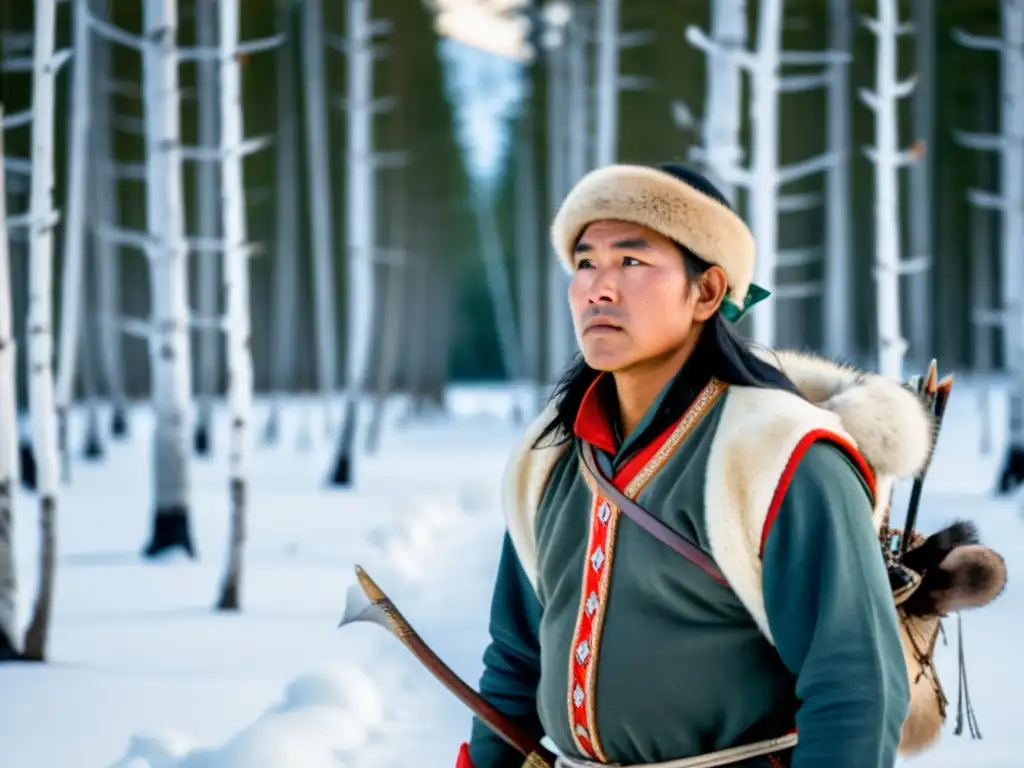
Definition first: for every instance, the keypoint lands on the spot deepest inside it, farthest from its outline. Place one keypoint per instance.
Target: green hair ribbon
(733, 312)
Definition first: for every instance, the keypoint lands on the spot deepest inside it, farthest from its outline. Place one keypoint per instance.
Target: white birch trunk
(1010, 203)
(982, 283)
(318, 160)
(887, 159)
(765, 159)
(107, 254)
(919, 315)
(286, 249)
(606, 146)
(580, 139)
(236, 292)
(42, 401)
(207, 214)
(92, 450)
(560, 339)
(1012, 282)
(724, 91)
(527, 256)
(169, 343)
(8, 436)
(393, 315)
(360, 228)
(73, 267)
(837, 314)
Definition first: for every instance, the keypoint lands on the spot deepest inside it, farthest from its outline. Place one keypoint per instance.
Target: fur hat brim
(657, 200)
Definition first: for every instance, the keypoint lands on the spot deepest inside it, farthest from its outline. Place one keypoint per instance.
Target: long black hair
(728, 356)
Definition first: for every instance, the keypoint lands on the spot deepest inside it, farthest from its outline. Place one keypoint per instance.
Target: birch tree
(286, 247)
(106, 253)
(556, 17)
(320, 213)
(1009, 146)
(888, 160)
(722, 151)
(763, 182)
(360, 222)
(8, 435)
(207, 215)
(169, 346)
(607, 102)
(73, 264)
(397, 285)
(837, 316)
(921, 185)
(235, 288)
(764, 177)
(42, 401)
(17, 57)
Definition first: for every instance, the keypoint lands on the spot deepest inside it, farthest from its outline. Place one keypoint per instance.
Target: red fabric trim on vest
(463, 760)
(794, 460)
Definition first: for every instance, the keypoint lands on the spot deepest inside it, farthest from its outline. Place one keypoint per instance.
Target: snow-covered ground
(144, 674)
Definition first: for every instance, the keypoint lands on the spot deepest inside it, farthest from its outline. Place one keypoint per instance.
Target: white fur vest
(759, 432)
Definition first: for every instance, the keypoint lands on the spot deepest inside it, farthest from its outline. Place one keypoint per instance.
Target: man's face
(629, 296)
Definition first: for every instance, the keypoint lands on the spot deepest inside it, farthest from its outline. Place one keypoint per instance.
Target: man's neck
(638, 387)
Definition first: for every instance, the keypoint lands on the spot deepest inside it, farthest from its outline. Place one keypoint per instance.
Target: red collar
(592, 423)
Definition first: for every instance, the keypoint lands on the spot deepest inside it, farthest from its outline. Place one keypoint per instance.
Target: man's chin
(605, 361)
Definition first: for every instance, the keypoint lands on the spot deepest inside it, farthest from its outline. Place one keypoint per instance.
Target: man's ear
(712, 286)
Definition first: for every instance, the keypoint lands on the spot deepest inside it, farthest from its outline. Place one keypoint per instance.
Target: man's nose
(605, 287)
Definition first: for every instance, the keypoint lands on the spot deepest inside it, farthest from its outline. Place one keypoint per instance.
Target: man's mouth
(602, 328)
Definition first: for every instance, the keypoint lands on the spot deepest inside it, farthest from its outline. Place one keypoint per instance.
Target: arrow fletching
(358, 607)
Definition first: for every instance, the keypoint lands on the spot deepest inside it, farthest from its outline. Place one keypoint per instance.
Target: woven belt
(710, 760)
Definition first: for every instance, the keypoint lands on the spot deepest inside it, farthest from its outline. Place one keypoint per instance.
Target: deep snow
(144, 674)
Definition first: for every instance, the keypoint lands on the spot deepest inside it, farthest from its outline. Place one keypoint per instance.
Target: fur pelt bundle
(955, 570)
(940, 574)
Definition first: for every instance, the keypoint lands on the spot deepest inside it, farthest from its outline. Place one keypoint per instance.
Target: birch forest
(240, 236)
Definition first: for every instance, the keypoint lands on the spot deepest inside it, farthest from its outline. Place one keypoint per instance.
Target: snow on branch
(800, 201)
(31, 223)
(635, 38)
(879, 28)
(16, 120)
(142, 241)
(115, 34)
(259, 45)
(798, 257)
(21, 64)
(20, 165)
(378, 106)
(986, 142)
(215, 154)
(801, 83)
(809, 167)
(978, 42)
(807, 58)
(987, 200)
(699, 39)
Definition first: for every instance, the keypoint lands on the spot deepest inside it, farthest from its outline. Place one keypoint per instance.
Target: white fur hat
(664, 202)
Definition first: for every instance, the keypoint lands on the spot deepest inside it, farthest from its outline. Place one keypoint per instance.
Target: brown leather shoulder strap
(648, 522)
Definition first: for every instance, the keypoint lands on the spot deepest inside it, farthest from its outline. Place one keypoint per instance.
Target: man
(606, 640)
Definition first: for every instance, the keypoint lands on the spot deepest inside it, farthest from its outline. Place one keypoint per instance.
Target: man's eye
(583, 264)
(629, 261)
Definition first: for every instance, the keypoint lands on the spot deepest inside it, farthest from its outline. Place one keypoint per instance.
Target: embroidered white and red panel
(604, 520)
